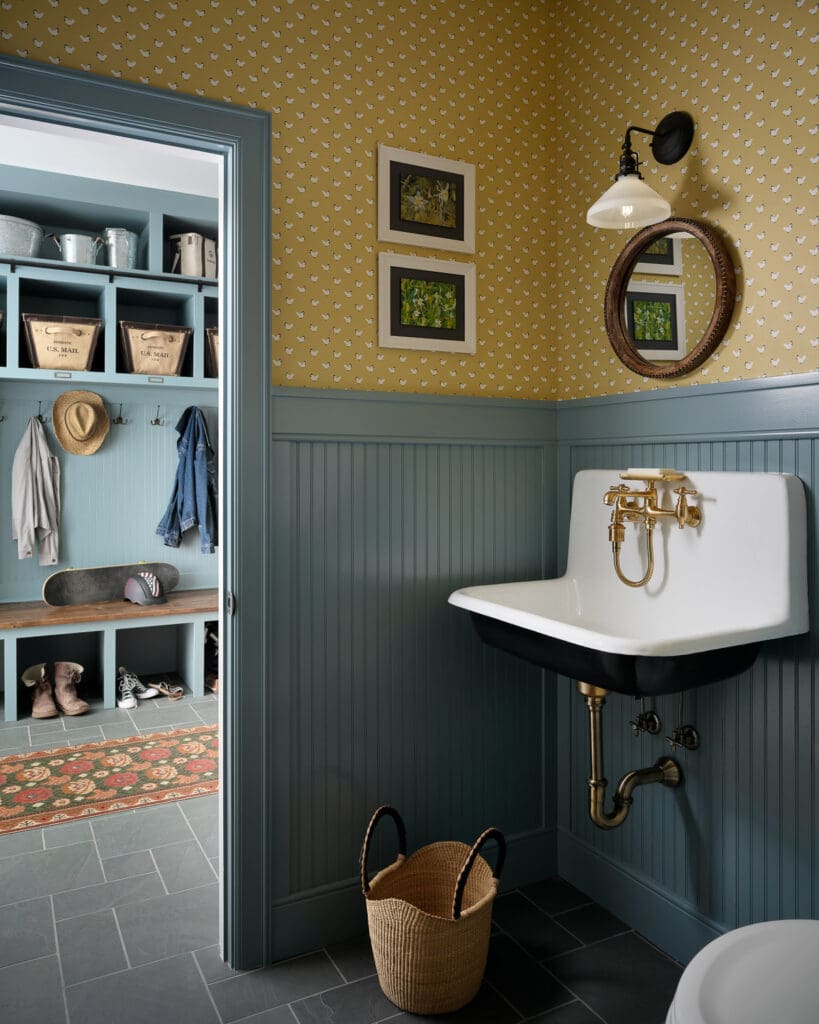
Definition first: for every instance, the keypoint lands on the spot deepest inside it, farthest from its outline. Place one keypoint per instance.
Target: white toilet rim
(718, 985)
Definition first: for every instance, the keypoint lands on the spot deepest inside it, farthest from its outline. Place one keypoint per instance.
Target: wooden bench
(188, 610)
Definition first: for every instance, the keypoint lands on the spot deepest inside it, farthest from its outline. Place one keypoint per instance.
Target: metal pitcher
(76, 248)
(121, 247)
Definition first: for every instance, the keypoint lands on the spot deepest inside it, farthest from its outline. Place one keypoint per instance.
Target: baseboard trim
(311, 920)
(663, 919)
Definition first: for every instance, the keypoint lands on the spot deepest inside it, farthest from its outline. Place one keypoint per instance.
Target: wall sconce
(630, 203)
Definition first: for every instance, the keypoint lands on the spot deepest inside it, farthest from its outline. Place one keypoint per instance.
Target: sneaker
(130, 688)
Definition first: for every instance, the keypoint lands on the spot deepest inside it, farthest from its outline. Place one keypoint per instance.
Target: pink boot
(66, 676)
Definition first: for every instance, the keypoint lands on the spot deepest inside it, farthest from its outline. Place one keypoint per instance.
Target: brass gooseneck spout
(644, 507)
(665, 771)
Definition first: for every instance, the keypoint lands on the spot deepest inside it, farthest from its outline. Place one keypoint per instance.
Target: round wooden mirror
(669, 298)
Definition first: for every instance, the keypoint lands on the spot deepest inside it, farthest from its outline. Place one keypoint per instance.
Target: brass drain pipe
(666, 770)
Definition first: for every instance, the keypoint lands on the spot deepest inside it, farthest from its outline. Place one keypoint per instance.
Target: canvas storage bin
(61, 342)
(429, 917)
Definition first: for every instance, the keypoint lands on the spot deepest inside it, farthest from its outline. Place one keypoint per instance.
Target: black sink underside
(634, 674)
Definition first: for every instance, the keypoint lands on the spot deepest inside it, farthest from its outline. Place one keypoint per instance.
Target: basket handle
(365, 849)
(471, 857)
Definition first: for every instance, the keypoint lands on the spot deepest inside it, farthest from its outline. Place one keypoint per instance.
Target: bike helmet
(144, 588)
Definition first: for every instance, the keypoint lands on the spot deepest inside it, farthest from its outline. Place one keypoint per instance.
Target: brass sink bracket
(643, 506)
(666, 770)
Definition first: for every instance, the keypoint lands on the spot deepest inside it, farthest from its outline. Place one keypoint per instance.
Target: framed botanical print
(655, 319)
(661, 256)
(426, 304)
(425, 200)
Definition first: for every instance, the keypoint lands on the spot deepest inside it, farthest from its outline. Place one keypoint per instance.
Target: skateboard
(102, 582)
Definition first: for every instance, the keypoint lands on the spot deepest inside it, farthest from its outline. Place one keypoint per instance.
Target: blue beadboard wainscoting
(383, 504)
(739, 841)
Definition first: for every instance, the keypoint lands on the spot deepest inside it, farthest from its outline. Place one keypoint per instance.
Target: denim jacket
(193, 499)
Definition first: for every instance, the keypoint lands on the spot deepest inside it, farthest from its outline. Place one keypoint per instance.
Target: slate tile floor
(114, 920)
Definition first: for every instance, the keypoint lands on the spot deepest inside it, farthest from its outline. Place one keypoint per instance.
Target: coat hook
(118, 418)
(40, 417)
(156, 422)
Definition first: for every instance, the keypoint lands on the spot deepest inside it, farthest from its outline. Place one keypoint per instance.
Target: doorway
(240, 139)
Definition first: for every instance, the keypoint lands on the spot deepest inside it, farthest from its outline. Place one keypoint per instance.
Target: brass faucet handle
(613, 492)
(687, 515)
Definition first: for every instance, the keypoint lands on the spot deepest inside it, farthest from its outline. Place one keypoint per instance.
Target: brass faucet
(644, 507)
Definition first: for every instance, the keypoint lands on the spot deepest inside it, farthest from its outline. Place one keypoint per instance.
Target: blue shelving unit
(113, 500)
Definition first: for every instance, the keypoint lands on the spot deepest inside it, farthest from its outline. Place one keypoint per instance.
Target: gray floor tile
(46, 726)
(168, 992)
(67, 834)
(32, 993)
(282, 983)
(363, 1002)
(486, 1008)
(12, 843)
(183, 866)
(128, 865)
(90, 947)
(81, 736)
(353, 958)
(16, 737)
(555, 895)
(212, 965)
(623, 979)
(108, 894)
(534, 930)
(168, 925)
(120, 731)
(26, 931)
(157, 825)
(201, 808)
(50, 741)
(574, 1013)
(529, 987)
(281, 1015)
(16, 725)
(178, 716)
(85, 734)
(97, 716)
(206, 831)
(155, 730)
(208, 713)
(591, 923)
(28, 875)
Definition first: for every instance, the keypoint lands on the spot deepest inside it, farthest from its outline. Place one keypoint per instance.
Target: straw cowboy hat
(80, 421)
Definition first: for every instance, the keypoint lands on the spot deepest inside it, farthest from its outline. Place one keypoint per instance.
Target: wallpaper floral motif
(535, 93)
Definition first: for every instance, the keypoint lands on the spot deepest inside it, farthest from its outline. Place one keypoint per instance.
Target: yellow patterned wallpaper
(535, 93)
(747, 74)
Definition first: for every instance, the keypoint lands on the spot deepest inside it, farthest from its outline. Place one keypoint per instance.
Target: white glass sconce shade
(629, 204)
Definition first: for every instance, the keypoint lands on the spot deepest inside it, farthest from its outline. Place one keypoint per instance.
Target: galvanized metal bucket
(121, 247)
(77, 248)
(19, 237)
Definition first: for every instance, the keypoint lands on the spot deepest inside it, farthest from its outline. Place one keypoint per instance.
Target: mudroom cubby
(99, 636)
(111, 500)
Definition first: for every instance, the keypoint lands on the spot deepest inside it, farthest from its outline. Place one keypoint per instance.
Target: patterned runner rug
(50, 786)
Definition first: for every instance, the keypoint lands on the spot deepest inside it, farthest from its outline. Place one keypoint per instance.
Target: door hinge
(230, 603)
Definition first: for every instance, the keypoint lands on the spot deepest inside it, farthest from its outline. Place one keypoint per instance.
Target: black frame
(668, 298)
(397, 223)
(458, 333)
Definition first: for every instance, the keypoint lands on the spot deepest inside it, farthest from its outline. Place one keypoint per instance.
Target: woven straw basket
(429, 917)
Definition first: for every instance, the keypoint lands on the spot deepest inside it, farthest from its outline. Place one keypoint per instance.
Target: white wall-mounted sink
(718, 590)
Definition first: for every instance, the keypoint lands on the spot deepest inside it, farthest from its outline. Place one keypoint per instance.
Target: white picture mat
(660, 290)
(388, 155)
(388, 260)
